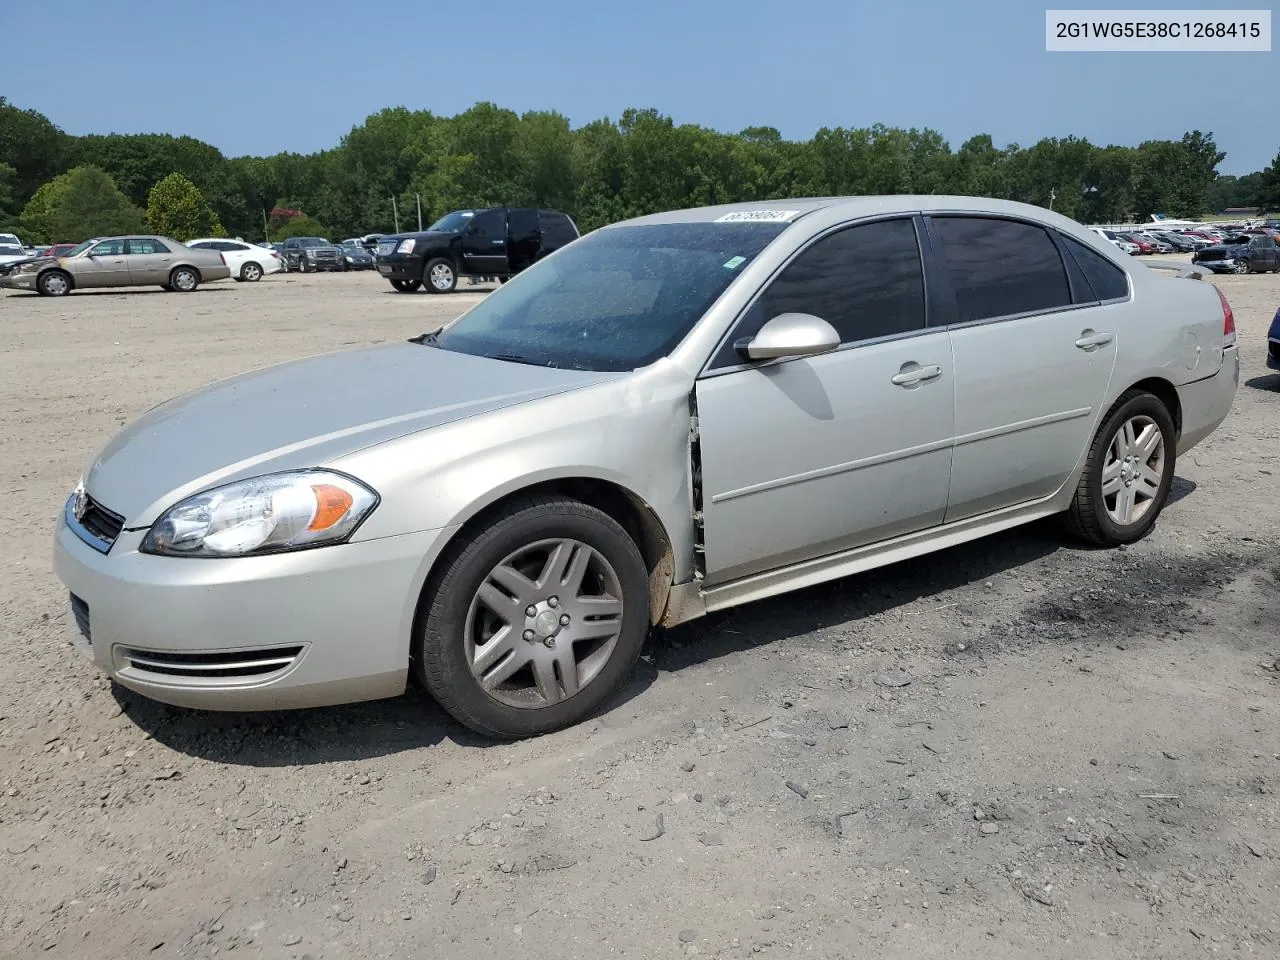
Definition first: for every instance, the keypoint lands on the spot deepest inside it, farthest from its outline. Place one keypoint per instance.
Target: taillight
(1228, 321)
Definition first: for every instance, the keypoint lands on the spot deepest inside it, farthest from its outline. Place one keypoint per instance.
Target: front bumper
(311, 628)
(1217, 266)
(18, 281)
(400, 266)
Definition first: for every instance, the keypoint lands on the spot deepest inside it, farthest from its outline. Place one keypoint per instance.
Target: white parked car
(247, 261)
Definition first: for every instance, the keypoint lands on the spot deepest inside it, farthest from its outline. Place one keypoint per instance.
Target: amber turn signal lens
(332, 504)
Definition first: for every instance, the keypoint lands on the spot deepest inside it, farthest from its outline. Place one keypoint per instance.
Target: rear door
(484, 244)
(1266, 252)
(524, 238)
(149, 261)
(1034, 347)
(103, 265)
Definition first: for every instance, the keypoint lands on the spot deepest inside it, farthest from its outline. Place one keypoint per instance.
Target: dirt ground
(1016, 748)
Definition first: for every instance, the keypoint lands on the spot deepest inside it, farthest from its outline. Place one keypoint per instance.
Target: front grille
(101, 522)
(80, 610)
(213, 666)
(325, 255)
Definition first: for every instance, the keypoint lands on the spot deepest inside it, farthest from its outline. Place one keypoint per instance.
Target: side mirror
(791, 335)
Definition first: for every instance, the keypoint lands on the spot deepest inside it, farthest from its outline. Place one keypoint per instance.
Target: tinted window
(1107, 280)
(140, 247)
(557, 229)
(615, 300)
(489, 225)
(522, 224)
(865, 281)
(108, 248)
(1001, 267)
(203, 245)
(453, 222)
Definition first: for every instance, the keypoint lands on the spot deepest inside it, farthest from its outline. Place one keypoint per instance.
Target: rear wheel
(53, 283)
(251, 272)
(1128, 473)
(406, 286)
(1240, 266)
(184, 279)
(441, 276)
(534, 620)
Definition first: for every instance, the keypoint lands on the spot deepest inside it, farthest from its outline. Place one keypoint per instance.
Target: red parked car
(59, 250)
(1144, 245)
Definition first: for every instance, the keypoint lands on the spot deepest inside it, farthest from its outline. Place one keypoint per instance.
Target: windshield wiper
(517, 358)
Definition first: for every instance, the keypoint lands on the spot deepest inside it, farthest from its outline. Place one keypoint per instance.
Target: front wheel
(533, 620)
(441, 276)
(1128, 473)
(406, 286)
(53, 283)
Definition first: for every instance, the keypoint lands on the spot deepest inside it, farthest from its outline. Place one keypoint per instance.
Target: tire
(406, 286)
(252, 272)
(1240, 267)
(1095, 515)
(522, 540)
(54, 283)
(440, 276)
(184, 279)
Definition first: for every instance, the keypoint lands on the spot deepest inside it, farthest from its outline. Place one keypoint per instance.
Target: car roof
(855, 207)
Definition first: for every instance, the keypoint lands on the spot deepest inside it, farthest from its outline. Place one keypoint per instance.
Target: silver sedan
(670, 416)
(120, 262)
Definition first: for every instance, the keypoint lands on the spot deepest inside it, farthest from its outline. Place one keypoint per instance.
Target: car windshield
(8, 250)
(616, 300)
(313, 242)
(1239, 238)
(79, 248)
(453, 222)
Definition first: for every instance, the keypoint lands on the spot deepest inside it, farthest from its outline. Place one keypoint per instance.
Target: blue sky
(254, 77)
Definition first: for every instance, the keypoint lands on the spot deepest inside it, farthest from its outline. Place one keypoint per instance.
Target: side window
(1001, 267)
(557, 229)
(522, 225)
(1107, 280)
(489, 225)
(866, 281)
(205, 245)
(109, 248)
(141, 247)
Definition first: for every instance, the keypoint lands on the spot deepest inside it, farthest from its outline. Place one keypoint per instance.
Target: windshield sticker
(733, 263)
(758, 216)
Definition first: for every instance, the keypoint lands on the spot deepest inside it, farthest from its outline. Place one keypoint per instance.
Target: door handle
(1090, 341)
(913, 373)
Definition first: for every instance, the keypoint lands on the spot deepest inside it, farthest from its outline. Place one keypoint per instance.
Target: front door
(149, 261)
(484, 244)
(1034, 345)
(806, 457)
(103, 265)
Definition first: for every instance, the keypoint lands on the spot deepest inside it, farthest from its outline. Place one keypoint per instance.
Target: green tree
(32, 146)
(1268, 189)
(81, 203)
(302, 226)
(176, 208)
(8, 194)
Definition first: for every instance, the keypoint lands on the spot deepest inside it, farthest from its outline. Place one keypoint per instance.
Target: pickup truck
(1242, 253)
(495, 242)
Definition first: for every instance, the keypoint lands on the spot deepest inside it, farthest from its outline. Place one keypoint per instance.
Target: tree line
(60, 187)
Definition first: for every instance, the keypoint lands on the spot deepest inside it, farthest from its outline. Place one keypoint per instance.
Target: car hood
(426, 236)
(304, 414)
(1223, 248)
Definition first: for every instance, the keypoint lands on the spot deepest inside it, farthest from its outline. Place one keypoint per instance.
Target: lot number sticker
(758, 216)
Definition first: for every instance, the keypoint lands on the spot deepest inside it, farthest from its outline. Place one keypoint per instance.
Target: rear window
(1106, 279)
(557, 229)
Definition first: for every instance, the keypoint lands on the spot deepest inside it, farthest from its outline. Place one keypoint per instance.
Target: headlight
(406, 246)
(27, 268)
(271, 514)
(311, 252)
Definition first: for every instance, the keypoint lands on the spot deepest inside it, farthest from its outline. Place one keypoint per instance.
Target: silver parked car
(120, 262)
(670, 416)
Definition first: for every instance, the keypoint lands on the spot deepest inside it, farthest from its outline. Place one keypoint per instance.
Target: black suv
(495, 242)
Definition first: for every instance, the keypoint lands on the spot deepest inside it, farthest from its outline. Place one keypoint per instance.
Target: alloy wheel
(1133, 470)
(544, 623)
(442, 276)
